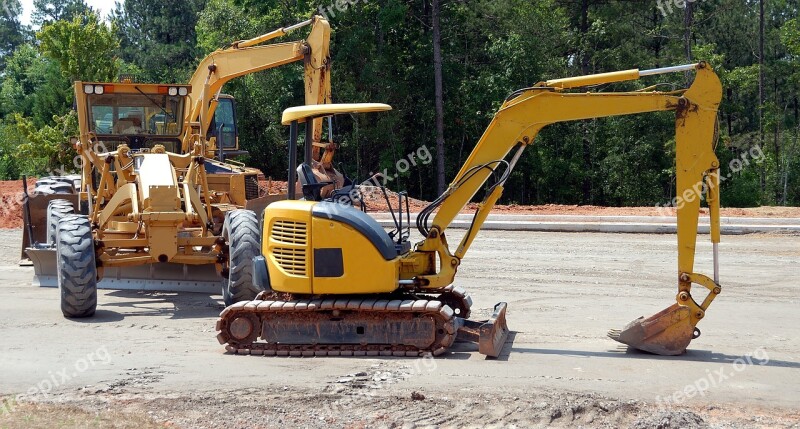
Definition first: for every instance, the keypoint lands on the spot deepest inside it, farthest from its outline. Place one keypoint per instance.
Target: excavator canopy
(301, 113)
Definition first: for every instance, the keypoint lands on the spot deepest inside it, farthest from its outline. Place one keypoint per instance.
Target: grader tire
(55, 185)
(56, 210)
(240, 231)
(77, 272)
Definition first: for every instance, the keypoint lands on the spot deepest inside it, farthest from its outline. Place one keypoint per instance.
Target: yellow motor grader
(158, 199)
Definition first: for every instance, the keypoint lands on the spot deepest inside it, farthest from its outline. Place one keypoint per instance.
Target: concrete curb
(612, 224)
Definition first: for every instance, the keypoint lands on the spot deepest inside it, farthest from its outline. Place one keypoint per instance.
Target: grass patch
(47, 416)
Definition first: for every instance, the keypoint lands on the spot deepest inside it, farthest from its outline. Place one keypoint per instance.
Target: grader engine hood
(158, 191)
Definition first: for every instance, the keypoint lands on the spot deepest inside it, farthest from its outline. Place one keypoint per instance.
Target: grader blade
(161, 277)
(34, 231)
(666, 333)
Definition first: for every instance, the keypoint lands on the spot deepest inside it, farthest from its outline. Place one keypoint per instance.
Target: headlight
(182, 91)
(173, 90)
(98, 89)
(88, 89)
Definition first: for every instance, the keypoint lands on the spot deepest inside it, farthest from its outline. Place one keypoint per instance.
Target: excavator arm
(517, 123)
(250, 56)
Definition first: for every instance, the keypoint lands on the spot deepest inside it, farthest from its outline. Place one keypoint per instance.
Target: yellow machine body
(150, 183)
(315, 254)
(373, 267)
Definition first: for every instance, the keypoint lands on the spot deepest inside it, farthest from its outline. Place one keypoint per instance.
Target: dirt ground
(151, 359)
(11, 208)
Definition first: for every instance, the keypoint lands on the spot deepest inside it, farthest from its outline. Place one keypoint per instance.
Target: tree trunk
(586, 185)
(761, 89)
(776, 141)
(584, 29)
(437, 71)
(688, 21)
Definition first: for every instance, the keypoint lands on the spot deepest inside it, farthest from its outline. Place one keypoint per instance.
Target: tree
(84, 51)
(49, 11)
(438, 97)
(12, 33)
(47, 148)
(159, 37)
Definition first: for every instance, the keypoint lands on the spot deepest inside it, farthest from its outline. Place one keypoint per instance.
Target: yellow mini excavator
(335, 283)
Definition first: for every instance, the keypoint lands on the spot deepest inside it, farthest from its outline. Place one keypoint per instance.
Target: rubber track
(453, 292)
(442, 314)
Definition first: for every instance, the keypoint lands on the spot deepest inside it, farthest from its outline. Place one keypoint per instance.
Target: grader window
(136, 114)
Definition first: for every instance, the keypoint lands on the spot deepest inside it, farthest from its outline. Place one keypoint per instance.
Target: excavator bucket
(490, 334)
(666, 333)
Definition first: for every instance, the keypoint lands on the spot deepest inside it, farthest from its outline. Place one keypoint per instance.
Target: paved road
(564, 292)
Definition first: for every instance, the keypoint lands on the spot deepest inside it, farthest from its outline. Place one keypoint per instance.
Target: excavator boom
(251, 56)
(522, 117)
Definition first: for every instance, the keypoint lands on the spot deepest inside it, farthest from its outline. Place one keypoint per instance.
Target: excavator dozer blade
(490, 334)
(666, 333)
(494, 332)
(162, 277)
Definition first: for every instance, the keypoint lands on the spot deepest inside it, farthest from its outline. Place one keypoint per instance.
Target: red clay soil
(11, 206)
(11, 202)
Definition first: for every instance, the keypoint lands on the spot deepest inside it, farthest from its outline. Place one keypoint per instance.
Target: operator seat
(312, 188)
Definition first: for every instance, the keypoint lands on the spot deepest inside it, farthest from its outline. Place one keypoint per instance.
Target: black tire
(74, 180)
(54, 185)
(240, 232)
(77, 272)
(57, 210)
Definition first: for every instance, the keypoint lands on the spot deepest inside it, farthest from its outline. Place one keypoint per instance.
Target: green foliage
(12, 33)
(46, 148)
(382, 52)
(10, 138)
(790, 34)
(159, 37)
(84, 48)
(34, 86)
(49, 11)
